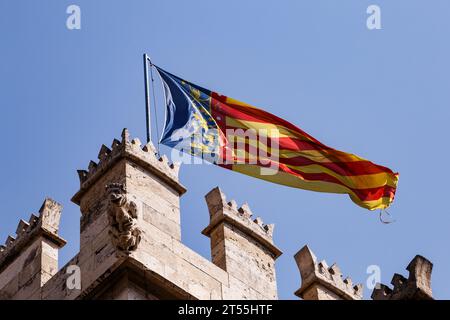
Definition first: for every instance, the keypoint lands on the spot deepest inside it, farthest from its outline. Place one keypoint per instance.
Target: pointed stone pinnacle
(125, 135)
(103, 153)
(9, 241)
(92, 166)
(269, 229)
(335, 270)
(233, 204)
(82, 175)
(33, 219)
(149, 147)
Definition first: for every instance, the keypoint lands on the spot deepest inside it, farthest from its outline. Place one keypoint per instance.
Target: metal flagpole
(147, 98)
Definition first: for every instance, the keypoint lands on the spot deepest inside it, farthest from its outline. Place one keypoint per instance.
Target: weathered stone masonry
(130, 244)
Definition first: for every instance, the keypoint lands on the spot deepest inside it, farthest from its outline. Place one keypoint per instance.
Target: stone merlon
(221, 211)
(240, 245)
(30, 259)
(132, 150)
(46, 225)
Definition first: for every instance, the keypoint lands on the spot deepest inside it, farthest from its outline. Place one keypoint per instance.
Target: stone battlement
(320, 281)
(416, 287)
(131, 149)
(46, 224)
(221, 210)
(131, 248)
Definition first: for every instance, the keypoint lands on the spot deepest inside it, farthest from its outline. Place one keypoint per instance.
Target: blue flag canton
(189, 125)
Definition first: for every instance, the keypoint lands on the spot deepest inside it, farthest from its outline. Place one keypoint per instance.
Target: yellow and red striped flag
(242, 138)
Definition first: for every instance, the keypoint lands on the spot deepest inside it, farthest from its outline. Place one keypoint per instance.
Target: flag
(245, 139)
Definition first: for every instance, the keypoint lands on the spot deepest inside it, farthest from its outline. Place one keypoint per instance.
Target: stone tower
(320, 282)
(130, 240)
(30, 259)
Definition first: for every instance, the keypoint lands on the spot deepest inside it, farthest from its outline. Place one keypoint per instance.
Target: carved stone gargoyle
(122, 215)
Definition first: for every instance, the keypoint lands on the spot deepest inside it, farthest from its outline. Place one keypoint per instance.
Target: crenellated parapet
(30, 258)
(221, 210)
(46, 224)
(133, 150)
(416, 287)
(321, 282)
(149, 177)
(242, 246)
(131, 248)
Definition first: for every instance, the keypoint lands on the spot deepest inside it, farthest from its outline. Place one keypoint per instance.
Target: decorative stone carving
(122, 217)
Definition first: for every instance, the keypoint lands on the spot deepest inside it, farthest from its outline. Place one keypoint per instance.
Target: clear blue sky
(381, 94)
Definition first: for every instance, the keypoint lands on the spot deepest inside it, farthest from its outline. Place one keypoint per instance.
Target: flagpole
(147, 99)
